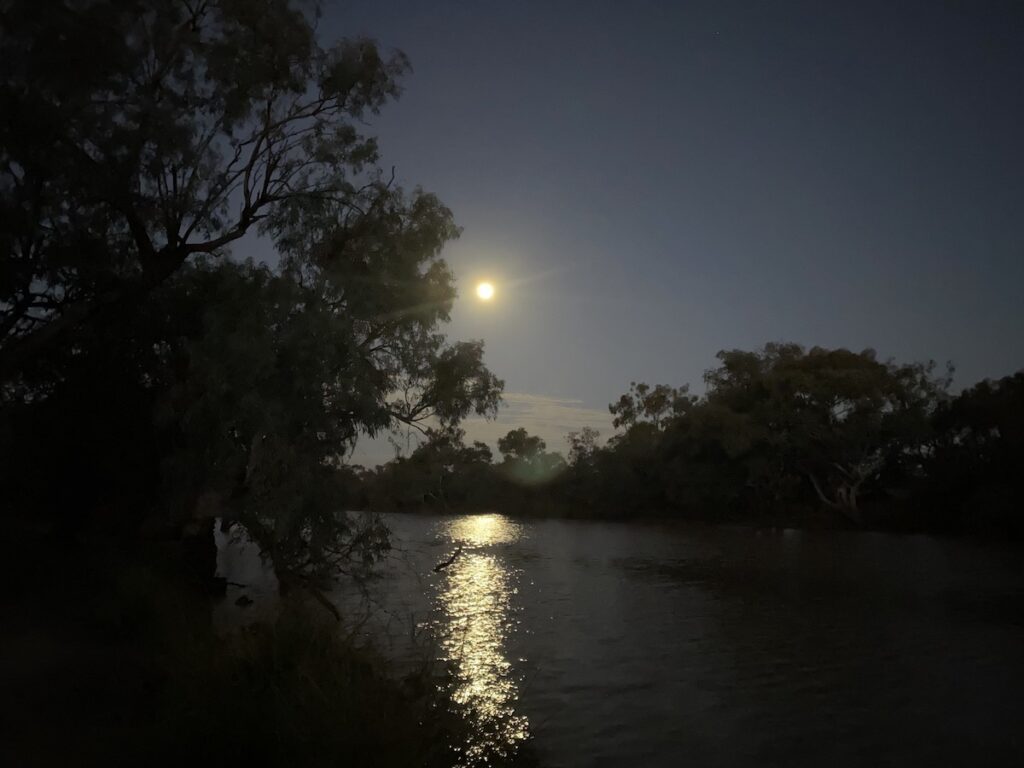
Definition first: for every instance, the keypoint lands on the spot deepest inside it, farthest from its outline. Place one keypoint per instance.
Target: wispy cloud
(550, 418)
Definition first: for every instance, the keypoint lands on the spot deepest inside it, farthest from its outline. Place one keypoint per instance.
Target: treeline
(782, 435)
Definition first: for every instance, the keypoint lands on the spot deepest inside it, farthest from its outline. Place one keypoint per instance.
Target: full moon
(485, 291)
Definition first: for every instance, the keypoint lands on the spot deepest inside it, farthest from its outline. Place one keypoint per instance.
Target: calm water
(616, 645)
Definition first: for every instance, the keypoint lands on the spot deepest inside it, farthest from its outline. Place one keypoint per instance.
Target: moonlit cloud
(551, 418)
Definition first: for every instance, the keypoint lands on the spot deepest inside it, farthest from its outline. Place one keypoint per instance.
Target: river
(609, 644)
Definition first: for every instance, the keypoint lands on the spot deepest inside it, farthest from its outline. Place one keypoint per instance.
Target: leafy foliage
(141, 134)
(972, 472)
(442, 473)
(123, 182)
(832, 416)
(646, 404)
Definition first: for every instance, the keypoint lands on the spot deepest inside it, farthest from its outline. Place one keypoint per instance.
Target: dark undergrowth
(108, 660)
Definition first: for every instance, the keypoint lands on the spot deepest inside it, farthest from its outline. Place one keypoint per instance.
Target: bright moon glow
(485, 291)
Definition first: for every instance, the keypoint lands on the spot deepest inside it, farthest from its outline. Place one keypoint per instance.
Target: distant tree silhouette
(525, 460)
(644, 403)
(833, 416)
(519, 444)
(972, 473)
(442, 473)
(782, 434)
(583, 445)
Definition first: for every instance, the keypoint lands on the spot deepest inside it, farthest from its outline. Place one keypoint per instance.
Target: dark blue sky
(649, 183)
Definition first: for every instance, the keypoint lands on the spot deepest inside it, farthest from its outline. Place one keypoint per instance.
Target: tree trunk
(845, 502)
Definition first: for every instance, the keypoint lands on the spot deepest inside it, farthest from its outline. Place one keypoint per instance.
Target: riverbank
(877, 518)
(110, 657)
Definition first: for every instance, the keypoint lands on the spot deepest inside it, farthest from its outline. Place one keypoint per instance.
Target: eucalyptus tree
(138, 134)
(835, 417)
(525, 459)
(583, 446)
(644, 404)
(142, 140)
(270, 397)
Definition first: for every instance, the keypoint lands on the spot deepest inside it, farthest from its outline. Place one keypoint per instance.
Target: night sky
(648, 183)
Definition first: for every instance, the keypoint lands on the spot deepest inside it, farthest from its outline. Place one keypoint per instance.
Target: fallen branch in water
(442, 565)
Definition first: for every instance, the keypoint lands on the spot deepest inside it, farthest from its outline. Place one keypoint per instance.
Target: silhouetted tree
(973, 472)
(782, 432)
(525, 460)
(441, 473)
(834, 416)
(519, 444)
(286, 375)
(653, 405)
(583, 446)
(143, 139)
(138, 135)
